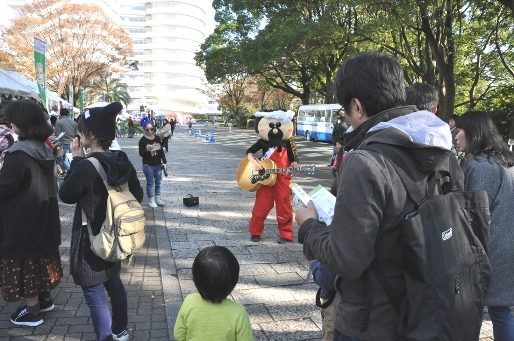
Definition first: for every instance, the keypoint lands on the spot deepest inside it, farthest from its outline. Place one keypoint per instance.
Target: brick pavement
(273, 283)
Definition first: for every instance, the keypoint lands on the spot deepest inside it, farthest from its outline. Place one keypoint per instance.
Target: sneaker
(23, 318)
(46, 306)
(283, 241)
(255, 239)
(158, 201)
(123, 336)
(151, 203)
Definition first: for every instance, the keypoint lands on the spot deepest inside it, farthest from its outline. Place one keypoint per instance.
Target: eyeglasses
(149, 129)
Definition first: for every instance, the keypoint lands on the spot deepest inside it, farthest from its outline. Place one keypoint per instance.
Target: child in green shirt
(208, 314)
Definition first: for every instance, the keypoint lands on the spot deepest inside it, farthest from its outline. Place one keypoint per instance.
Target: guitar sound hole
(257, 178)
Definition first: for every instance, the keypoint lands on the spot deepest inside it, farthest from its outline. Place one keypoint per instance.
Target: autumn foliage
(83, 43)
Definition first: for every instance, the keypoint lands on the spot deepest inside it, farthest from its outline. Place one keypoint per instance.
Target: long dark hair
(30, 119)
(482, 137)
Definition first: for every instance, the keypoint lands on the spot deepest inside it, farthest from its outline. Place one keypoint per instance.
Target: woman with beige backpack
(85, 187)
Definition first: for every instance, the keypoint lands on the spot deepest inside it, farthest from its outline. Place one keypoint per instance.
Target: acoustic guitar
(250, 180)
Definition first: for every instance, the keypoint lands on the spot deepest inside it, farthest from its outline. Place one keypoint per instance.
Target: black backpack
(446, 269)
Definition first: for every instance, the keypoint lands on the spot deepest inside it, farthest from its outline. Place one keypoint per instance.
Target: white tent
(12, 82)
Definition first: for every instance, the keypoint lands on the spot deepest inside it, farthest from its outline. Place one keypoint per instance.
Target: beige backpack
(123, 230)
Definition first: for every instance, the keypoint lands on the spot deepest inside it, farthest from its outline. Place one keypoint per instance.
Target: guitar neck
(284, 170)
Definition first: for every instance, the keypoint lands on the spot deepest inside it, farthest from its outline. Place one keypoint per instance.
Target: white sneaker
(158, 200)
(123, 336)
(151, 203)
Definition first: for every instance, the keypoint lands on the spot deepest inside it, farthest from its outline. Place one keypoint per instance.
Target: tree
(82, 42)
(509, 4)
(233, 96)
(5, 60)
(108, 89)
(464, 48)
(297, 51)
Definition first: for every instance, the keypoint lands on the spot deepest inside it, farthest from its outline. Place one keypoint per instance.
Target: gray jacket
(68, 126)
(482, 174)
(371, 200)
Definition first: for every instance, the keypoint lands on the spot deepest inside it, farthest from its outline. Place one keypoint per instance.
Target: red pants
(280, 196)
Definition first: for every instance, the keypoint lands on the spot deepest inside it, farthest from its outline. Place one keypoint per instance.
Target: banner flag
(70, 95)
(40, 64)
(81, 99)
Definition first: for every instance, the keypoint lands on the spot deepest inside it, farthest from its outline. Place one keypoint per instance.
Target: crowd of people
(358, 260)
(371, 199)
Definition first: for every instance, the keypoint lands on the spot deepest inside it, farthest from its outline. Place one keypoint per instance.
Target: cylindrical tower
(166, 34)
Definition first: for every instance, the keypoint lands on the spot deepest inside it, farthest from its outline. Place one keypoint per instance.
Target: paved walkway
(273, 279)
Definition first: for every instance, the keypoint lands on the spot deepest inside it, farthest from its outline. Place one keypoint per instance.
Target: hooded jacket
(29, 213)
(84, 186)
(371, 200)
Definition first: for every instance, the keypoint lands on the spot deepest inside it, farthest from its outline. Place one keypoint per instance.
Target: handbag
(189, 200)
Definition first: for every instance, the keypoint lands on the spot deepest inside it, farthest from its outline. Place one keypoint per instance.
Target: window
(132, 18)
(136, 30)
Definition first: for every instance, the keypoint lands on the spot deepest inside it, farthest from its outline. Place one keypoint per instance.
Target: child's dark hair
(215, 273)
(103, 142)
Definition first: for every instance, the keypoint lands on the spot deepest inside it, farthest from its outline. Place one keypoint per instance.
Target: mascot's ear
(257, 120)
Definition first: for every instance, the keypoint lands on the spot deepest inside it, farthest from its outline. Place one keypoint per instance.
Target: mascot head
(275, 126)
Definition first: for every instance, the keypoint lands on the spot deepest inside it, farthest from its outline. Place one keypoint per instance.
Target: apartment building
(165, 36)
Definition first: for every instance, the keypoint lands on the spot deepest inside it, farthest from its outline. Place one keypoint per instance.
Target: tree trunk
(445, 56)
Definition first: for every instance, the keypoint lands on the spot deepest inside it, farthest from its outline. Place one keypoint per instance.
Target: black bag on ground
(189, 200)
(446, 269)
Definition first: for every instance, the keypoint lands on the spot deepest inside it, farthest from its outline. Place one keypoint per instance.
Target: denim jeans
(103, 324)
(153, 175)
(503, 323)
(66, 162)
(340, 337)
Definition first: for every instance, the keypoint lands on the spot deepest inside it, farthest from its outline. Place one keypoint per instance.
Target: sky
(6, 13)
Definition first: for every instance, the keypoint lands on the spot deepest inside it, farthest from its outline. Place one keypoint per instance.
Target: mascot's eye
(272, 125)
(278, 125)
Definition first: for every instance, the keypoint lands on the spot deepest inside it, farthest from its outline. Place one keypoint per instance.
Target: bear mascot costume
(275, 130)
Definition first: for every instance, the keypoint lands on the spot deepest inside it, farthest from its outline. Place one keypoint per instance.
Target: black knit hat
(101, 121)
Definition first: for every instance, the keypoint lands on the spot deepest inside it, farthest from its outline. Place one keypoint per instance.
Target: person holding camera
(154, 163)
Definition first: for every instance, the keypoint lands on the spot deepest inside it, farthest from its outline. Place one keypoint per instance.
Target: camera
(164, 170)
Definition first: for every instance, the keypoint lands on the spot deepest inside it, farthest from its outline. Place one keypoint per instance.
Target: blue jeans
(103, 324)
(340, 337)
(503, 323)
(66, 162)
(153, 174)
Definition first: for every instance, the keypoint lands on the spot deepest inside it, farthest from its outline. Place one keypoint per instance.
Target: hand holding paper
(321, 200)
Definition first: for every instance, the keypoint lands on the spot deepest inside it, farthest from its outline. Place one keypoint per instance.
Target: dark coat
(29, 213)
(84, 186)
(371, 200)
(158, 158)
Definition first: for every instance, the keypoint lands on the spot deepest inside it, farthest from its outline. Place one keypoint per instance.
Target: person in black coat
(30, 228)
(84, 186)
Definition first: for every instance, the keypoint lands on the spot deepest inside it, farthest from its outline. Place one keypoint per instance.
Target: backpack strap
(402, 167)
(328, 301)
(94, 161)
(99, 169)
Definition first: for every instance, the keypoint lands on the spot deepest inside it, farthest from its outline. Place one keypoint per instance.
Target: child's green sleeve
(244, 329)
(180, 330)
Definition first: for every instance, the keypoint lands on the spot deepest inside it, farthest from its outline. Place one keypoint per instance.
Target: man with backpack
(406, 243)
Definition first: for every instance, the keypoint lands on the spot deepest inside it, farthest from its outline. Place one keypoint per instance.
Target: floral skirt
(21, 278)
